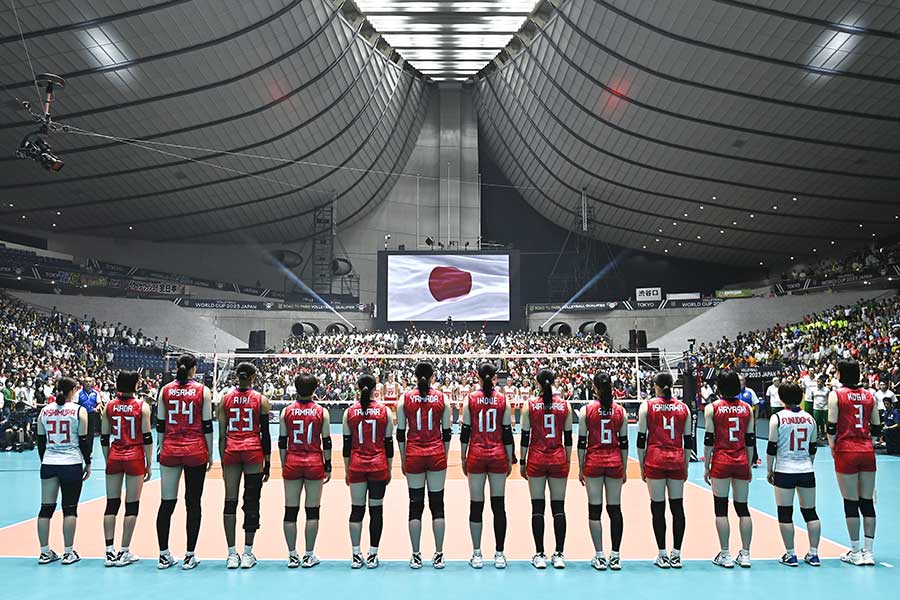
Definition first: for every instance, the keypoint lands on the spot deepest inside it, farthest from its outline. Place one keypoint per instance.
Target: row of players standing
(424, 433)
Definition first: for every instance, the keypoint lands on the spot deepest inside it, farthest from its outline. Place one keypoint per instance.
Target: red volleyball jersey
(665, 433)
(125, 428)
(367, 428)
(855, 408)
(486, 414)
(603, 427)
(243, 417)
(424, 418)
(547, 425)
(304, 422)
(731, 419)
(184, 418)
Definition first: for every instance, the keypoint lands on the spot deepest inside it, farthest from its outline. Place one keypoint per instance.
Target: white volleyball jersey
(796, 431)
(61, 425)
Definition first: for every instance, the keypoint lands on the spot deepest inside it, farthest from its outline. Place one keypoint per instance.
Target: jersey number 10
(487, 420)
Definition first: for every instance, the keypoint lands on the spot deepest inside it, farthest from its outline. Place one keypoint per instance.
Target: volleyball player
(304, 443)
(368, 456)
(728, 447)
(64, 447)
(423, 434)
(184, 440)
(789, 456)
(545, 463)
(245, 446)
(487, 450)
(127, 446)
(602, 462)
(391, 390)
(852, 423)
(663, 443)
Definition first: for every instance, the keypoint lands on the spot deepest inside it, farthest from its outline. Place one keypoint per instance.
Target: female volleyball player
(423, 433)
(368, 457)
(602, 461)
(304, 442)
(663, 442)
(245, 446)
(790, 455)
(728, 447)
(545, 462)
(184, 427)
(127, 447)
(487, 450)
(64, 447)
(852, 423)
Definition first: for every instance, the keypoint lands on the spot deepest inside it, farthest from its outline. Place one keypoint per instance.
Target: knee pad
(720, 506)
(132, 508)
(498, 504)
(786, 514)
(377, 489)
(809, 514)
(47, 511)
(230, 508)
(595, 511)
(741, 509)
(851, 508)
(167, 507)
(538, 507)
(376, 511)
(357, 512)
(112, 506)
(867, 507)
(557, 507)
(290, 514)
(436, 504)
(312, 513)
(416, 503)
(476, 510)
(70, 511)
(613, 510)
(658, 508)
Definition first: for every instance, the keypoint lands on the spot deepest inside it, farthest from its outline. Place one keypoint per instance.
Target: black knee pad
(230, 509)
(70, 511)
(809, 514)
(112, 506)
(595, 511)
(557, 507)
(851, 508)
(476, 510)
(357, 512)
(167, 507)
(498, 504)
(376, 511)
(720, 506)
(290, 514)
(741, 509)
(613, 510)
(785, 514)
(867, 507)
(436, 504)
(47, 511)
(538, 507)
(377, 490)
(312, 513)
(416, 503)
(132, 508)
(252, 493)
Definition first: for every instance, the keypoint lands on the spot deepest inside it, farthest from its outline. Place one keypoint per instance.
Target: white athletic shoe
(868, 558)
(70, 558)
(477, 561)
(293, 561)
(615, 563)
(233, 561)
(112, 559)
(48, 557)
(437, 561)
(248, 561)
(372, 561)
(499, 560)
(723, 559)
(854, 557)
(127, 558)
(599, 563)
(357, 561)
(190, 563)
(415, 561)
(539, 561)
(662, 561)
(743, 560)
(309, 561)
(558, 560)
(166, 560)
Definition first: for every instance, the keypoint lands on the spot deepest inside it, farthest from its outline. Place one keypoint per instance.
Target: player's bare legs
(416, 484)
(436, 481)
(134, 485)
(720, 490)
(813, 525)
(740, 490)
(784, 497)
(476, 508)
(594, 487)
(867, 508)
(357, 511)
(232, 476)
(113, 500)
(313, 501)
(292, 491)
(49, 495)
(537, 487)
(850, 486)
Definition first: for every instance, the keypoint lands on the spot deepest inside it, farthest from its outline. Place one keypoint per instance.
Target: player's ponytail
(186, 362)
(424, 373)
(545, 379)
(486, 373)
(64, 388)
(366, 383)
(245, 373)
(664, 382)
(126, 383)
(603, 389)
(848, 373)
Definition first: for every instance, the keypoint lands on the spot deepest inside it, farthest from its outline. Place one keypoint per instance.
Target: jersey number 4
(669, 425)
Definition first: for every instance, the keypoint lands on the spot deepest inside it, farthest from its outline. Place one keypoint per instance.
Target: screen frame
(515, 299)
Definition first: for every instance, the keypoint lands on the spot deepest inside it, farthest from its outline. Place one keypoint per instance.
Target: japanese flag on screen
(434, 287)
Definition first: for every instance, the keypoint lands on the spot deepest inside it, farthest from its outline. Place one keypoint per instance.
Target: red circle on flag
(446, 283)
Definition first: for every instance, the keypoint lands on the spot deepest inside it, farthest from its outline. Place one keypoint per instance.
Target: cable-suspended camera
(34, 146)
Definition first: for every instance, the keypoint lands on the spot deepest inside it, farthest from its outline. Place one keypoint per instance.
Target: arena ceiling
(740, 131)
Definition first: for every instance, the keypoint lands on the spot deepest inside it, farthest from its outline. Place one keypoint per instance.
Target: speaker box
(637, 339)
(258, 340)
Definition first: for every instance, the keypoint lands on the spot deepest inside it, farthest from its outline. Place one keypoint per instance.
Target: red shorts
(730, 471)
(183, 460)
(851, 463)
(557, 471)
(660, 473)
(478, 466)
(243, 457)
(420, 464)
(132, 468)
(366, 476)
(611, 472)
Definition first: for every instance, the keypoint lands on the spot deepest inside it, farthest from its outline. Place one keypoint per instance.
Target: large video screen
(435, 287)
